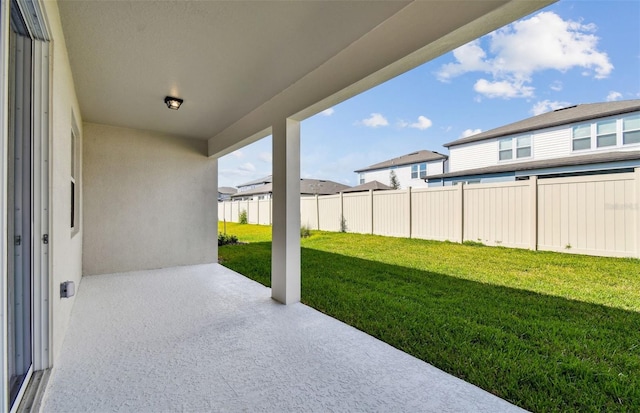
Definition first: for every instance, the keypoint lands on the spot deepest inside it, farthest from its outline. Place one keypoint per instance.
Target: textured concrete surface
(203, 338)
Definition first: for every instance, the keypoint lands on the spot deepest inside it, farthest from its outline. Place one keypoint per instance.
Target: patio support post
(285, 249)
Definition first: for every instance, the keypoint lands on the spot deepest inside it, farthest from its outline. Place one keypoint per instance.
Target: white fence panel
(596, 215)
(253, 213)
(309, 212)
(264, 212)
(391, 213)
(499, 214)
(329, 211)
(435, 213)
(357, 212)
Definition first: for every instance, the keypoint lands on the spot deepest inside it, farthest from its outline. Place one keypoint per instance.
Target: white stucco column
(285, 250)
(214, 173)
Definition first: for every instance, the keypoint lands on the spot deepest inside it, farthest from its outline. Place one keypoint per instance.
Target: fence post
(317, 213)
(341, 211)
(637, 170)
(371, 208)
(461, 212)
(410, 217)
(533, 184)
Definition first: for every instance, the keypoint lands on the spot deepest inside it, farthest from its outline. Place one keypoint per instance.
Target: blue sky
(569, 53)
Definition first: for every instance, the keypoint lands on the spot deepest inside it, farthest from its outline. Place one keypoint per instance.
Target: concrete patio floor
(206, 339)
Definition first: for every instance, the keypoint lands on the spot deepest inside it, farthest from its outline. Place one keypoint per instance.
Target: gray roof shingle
(375, 185)
(558, 117)
(411, 158)
(307, 187)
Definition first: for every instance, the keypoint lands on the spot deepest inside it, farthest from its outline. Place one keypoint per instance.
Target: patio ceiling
(240, 65)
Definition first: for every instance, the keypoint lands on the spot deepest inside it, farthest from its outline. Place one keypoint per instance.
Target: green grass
(546, 331)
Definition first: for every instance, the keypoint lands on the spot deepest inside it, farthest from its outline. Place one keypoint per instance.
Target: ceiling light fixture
(173, 103)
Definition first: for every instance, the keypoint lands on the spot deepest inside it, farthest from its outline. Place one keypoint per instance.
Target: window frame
(595, 134)
(419, 170)
(514, 148)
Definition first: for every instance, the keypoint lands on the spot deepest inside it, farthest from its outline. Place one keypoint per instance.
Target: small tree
(393, 179)
(242, 218)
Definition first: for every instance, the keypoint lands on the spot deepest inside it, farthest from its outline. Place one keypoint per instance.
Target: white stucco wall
(150, 201)
(65, 250)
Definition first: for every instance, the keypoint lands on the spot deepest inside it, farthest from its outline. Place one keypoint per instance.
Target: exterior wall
(594, 215)
(149, 201)
(473, 155)
(66, 248)
(404, 175)
(547, 143)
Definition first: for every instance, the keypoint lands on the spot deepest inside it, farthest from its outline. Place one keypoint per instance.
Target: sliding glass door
(20, 210)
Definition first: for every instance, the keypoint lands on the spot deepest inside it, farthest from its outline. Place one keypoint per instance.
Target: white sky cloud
(556, 86)
(265, 157)
(542, 42)
(238, 154)
(247, 166)
(470, 132)
(503, 89)
(613, 95)
(375, 120)
(547, 106)
(328, 112)
(422, 123)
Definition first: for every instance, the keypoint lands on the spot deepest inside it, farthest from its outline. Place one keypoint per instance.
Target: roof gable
(571, 114)
(408, 159)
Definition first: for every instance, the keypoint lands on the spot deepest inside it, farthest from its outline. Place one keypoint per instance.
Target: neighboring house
(575, 140)
(411, 169)
(225, 192)
(369, 186)
(263, 188)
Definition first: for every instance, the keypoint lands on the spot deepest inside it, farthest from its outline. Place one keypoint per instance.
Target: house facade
(410, 170)
(102, 171)
(225, 193)
(579, 139)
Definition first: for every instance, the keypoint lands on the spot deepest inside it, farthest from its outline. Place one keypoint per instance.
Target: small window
(606, 133)
(581, 137)
(523, 147)
(505, 152)
(419, 171)
(631, 130)
(361, 178)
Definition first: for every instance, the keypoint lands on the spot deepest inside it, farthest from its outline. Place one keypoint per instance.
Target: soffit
(224, 58)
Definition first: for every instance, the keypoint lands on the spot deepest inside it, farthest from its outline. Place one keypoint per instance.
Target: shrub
(305, 231)
(224, 239)
(242, 218)
(473, 243)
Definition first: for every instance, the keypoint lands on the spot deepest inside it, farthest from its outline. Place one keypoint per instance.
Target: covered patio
(204, 338)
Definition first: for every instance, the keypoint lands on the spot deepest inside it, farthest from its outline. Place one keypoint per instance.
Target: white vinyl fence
(595, 215)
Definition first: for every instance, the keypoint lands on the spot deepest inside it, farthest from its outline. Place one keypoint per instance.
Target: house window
(581, 137)
(523, 147)
(361, 178)
(631, 130)
(505, 152)
(419, 170)
(606, 133)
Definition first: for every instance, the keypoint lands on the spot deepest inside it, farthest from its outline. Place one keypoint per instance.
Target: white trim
(4, 140)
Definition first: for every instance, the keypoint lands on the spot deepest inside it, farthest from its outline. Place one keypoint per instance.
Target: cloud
(238, 154)
(613, 95)
(547, 106)
(470, 132)
(247, 166)
(265, 157)
(422, 123)
(515, 53)
(328, 112)
(402, 123)
(503, 89)
(556, 86)
(375, 120)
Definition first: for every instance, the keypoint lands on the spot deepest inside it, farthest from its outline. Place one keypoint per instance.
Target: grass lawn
(545, 331)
